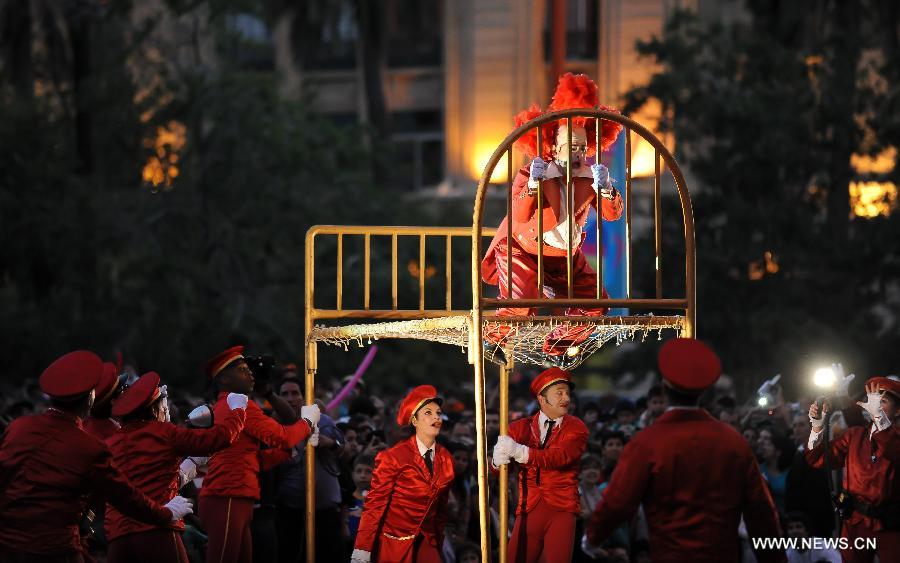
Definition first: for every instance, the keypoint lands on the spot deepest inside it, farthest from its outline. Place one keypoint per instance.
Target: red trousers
(422, 549)
(543, 534)
(152, 546)
(227, 522)
(888, 542)
(524, 279)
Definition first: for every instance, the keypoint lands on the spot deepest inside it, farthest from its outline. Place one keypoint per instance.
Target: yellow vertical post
(504, 470)
(570, 207)
(657, 223)
(310, 373)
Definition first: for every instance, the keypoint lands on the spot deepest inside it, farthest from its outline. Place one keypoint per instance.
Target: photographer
(232, 485)
(870, 454)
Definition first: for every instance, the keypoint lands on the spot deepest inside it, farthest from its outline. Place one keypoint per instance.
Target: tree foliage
(762, 114)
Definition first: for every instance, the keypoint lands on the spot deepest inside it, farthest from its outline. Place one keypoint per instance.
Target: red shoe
(564, 337)
(499, 334)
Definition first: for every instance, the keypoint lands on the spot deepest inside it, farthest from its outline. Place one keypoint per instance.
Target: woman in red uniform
(405, 511)
(149, 449)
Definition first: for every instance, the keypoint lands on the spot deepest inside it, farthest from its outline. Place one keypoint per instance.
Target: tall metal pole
(504, 470)
(310, 376)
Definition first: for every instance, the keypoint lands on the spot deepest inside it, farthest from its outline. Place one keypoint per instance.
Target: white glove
(179, 507)
(514, 449)
(842, 382)
(187, 471)
(538, 169)
(816, 422)
(594, 551)
(310, 413)
(237, 401)
(500, 455)
(872, 405)
(360, 556)
(601, 176)
(314, 438)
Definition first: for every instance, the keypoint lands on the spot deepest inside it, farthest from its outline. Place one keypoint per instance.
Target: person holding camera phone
(870, 455)
(231, 486)
(406, 508)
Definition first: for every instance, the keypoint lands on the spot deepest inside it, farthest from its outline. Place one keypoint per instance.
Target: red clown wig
(573, 91)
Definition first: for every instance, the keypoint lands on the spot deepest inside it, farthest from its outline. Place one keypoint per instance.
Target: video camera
(263, 368)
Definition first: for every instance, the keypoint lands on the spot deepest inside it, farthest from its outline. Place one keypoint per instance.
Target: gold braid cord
(524, 340)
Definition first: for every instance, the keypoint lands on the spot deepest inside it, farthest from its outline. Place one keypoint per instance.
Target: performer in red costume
(149, 449)
(100, 422)
(49, 465)
(590, 185)
(694, 475)
(870, 456)
(405, 511)
(548, 447)
(231, 486)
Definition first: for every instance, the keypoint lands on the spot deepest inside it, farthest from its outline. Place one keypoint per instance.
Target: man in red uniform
(694, 475)
(591, 188)
(49, 465)
(149, 449)
(871, 458)
(100, 422)
(231, 486)
(548, 447)
(406, 508)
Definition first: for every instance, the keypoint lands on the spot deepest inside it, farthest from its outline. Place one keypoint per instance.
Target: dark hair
(610, 435)
(784, 445)
(679, 398)
(364, 459)
(69, 404)
(145, 413)
(655, 391)
(797, 516)
(591, 461)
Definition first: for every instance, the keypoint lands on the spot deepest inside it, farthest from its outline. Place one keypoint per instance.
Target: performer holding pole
(49, 465)
(405, 511)
(547, 447)
(870, 504)
(149, 449)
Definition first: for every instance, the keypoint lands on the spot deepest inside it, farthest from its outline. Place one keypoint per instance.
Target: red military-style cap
(109, 382)
(887, 384)
(688, 364)
(144, 391)
(221, 360)
(548, 377)
(414, 401)
(72, 375)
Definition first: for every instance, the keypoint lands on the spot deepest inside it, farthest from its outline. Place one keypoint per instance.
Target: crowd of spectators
(354, 431)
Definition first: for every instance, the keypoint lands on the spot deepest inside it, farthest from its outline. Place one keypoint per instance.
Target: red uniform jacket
(150, 452)
(525, 216)
(695, 477)
(234, 471)
(558, 464)
(404, 501)
(48, 466)
(102, 428)
(874, 482)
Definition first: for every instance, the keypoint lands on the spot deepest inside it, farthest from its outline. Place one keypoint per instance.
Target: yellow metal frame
(483, 308)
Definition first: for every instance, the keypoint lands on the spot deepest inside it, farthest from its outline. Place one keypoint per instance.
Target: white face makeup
(579, 145)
